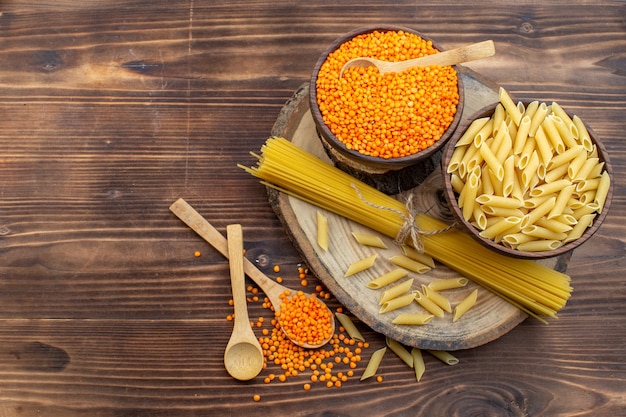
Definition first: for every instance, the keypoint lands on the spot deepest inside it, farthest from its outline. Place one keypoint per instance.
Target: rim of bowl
(473, 231)
(374, 160)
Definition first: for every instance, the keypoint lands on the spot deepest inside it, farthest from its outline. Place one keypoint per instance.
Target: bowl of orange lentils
(384, 125)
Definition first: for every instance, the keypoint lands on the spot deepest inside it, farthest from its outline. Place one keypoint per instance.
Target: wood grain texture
(110, 111)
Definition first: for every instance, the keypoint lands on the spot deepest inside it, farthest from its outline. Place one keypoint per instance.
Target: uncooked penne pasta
(322, 231)
(539, 232)
(410, 264)
(565, 156)
(361, 265)
(579, 228)
(521, 135)
(504, 224)
(396, 303)
(549, 188)
(468, 136)
(464, 306)
(492, 161)
(509, 106)
(367, 239)
(349, 327)
(437, 298)
(499, 201)
(447, 284)
(602, 191)
(397, 348)
(457, 157)
(537, 119)
(553, 135)
(445, 357)
(418, 256)
(418, 363)
(396, 291)
(540, 245)
(583, 134)
(428, 305)
(387, 278)
(373, 363)
(412, 319)
(540, 211)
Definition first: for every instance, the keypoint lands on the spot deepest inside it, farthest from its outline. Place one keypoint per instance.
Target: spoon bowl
(455, 56)
(243, 357)
(272, 289)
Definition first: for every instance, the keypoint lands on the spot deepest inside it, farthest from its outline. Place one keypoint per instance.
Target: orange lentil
(306, 387)
(279, 279)
(256, 398)
(379, 378)
(276, 268)
(391, 115)
(197, 254)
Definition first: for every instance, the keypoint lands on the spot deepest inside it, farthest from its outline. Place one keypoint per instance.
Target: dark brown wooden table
(111, 110)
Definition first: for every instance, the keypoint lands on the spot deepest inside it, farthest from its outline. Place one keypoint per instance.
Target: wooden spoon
(271, 288)
(243, 357)
(451, 57)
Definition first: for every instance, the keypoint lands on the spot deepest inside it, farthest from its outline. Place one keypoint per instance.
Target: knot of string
(409, 229)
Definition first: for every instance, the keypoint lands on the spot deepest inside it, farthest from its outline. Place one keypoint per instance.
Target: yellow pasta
(464, 306)
(397, 348)
(468, 136)
(509, 106)
(418, 363)
(412, 319)
(396, 291)
(349, 327)
(367, 239)
(396, 303)
(536, 289)
(373, 363)
(602, 191)
(361, 265)
(418, 256)
(322, 231)
(428, 304)
(437, 298)
(447, 284)
(387, 278)
(409, 264)
(445, 357)
(537, 119)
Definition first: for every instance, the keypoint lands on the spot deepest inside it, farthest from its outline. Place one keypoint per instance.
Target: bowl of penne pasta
(528, 179)
(377, 124)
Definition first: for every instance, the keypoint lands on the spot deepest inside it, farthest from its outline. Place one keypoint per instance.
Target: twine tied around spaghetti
(409, 228)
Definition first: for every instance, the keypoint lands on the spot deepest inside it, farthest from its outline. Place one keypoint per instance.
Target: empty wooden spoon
(243, 357)
(451, 57)
(272, 289)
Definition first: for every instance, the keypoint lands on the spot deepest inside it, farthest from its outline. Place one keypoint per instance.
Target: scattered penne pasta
(373, 363)
(464, 306)
(412, 319)
(361, 265)
(409, 264)
(388, 278)
(418, 256)
(396, 303)
(322, 231)
(445, 357)
(369, 240)
(418, 363)
(396, 291)
(448, 284)
(437, 298)
(349, 327)
(428, 304)
(397, 348)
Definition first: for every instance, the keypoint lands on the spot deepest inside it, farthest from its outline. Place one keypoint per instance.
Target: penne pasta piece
(445, 357)
(499, 201)
(579, 228)
(418, 256)
(448, 284)
(428, 305)
(373, 363)
(562, 201)
(396, 291)
(602, 191)
(469, 195)
(549, 188)
(457, 183)
(531, 109)
(565, 157)
(498, 117)
(530, 170)
(349, 327)
(513, 240)
(543, 147)
(521, 136)
(566, 131)
(554, 225)
(553, 135)
(369, 240)
(361, 265)
(502, 212)
(465, 304)
(537, 119)
(540, 211)
(539, 232)
(480, 219)
(407, 263)
(556, 173)
(540, 245)
(483, 134)
(585, 170)
(472, 130)
(584, 210)
(492, 161)
(456, 158)
(437, 298)
(396, 303)
(576, 164)
(587, 185)
(502, 225)
(527, 151)
(322, 231)
(418, 363)
(509, 106)
(502, 144)
(397, 348)
(388, 278)
(508, 181)
(583, 134)
(412, 319)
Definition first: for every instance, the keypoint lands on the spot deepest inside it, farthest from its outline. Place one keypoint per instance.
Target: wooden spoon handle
(234, 236)
(455, 56)
(205, 230)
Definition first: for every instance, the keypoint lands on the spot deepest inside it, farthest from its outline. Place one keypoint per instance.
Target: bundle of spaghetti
(530, 286)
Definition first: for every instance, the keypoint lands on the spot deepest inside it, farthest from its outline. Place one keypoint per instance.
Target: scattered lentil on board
(392, 115)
